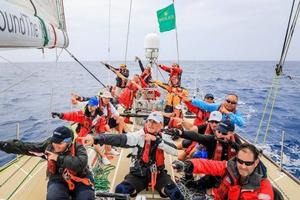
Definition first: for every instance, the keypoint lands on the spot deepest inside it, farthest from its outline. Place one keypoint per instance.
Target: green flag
(166, 18)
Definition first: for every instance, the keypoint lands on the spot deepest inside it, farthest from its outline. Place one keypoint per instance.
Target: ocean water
(39, 88)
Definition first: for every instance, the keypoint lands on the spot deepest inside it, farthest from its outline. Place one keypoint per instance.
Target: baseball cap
(106, 94)
(156, 116)
(62, 134)
(93, 101)
(215, 116)
(224, 127)
(209, 96)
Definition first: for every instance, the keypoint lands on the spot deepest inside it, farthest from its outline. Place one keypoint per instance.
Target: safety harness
(153, 157)
(69, 175)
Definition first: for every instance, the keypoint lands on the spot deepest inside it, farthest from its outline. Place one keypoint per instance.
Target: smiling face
(105, 101)
(246, 162)
(92, 109)
(153, 127)
(230, 102)
(59, 147)
(213, 125)
(174, 80)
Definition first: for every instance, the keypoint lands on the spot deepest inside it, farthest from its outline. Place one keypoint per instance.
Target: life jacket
(153, 157)
(151, 154)
(231, 189)
(125, 97)
(172, 97)
(201, 115)
(108, 109)
(208, 130)
(174, 124)
(218, 152)
(100, 126)
(68, 175)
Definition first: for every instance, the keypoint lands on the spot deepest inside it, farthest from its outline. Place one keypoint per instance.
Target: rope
(276, 80)
(160, 72)
(13, 64)
(15, 190)
(288, 37)
(265, 109)
(17, 83)
(291, 32)
(101, 177)
(84, 67)
(271, 111)
(44, 29)
(128, 27)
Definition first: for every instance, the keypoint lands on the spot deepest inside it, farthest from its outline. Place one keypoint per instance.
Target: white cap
(215, 116)
(105, 94)
(156, 116)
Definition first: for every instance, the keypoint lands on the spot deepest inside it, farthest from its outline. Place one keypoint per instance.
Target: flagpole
(176, 38)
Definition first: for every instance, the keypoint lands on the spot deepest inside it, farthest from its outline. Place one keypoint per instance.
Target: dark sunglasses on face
(214, 122)
(247, 163)
(231, 102)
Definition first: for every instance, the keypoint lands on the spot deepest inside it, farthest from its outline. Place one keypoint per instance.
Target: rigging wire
(128, 28)
(17, 83)
(291, 32)
(177, 48)
(13, 64)
(288, 37)
(108, 47)
(84, 67)
(276, 80)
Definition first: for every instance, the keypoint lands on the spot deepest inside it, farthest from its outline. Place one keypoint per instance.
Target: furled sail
(32, 23)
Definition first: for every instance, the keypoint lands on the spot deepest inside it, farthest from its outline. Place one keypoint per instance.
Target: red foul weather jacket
(257, 186)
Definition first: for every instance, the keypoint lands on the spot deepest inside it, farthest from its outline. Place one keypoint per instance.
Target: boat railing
(9, 163)
(280, 165)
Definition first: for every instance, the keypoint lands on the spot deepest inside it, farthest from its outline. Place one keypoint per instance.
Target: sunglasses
(214, 122)
(247, 163)
(231, 102)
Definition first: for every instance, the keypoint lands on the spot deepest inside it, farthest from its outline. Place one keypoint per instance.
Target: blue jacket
(235, 118)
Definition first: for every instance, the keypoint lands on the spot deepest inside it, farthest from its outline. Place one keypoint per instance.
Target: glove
(136, 59)
(56, 114)
(175, 132)
(178, 165)
(1, 144)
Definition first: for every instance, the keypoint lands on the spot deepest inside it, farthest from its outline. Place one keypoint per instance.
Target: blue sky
(207, 30)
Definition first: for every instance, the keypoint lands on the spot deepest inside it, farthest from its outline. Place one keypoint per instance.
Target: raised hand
(178, 165)
(87, 140)
(56, 114)
(136, 59)
(51, 155)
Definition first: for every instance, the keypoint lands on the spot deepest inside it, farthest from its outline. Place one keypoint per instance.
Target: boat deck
(25, 178)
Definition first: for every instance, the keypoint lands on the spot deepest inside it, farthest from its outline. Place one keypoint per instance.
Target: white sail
(33, 23)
